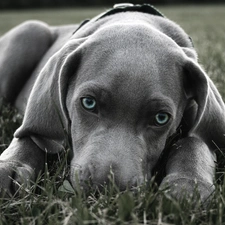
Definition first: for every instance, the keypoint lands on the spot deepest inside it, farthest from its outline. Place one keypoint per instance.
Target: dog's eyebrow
(91, 88)
(161, 103)
(90, 85)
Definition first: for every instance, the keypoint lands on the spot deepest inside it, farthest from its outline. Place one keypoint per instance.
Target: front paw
(181, 187)
(14, 176)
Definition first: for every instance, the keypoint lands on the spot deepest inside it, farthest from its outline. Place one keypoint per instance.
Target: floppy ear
(45, 119)
(196, 88)
(191, 53)
(205, 110)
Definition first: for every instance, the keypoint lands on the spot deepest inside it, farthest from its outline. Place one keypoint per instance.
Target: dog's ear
(45, 119)
(190, 53)
(196, 86)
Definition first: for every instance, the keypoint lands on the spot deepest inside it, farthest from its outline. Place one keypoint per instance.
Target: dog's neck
(126, 7)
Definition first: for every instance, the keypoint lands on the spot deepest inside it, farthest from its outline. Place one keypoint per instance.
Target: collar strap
(127, 7)
(124, 7)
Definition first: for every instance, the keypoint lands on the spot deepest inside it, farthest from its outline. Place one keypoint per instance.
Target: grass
(53, 201)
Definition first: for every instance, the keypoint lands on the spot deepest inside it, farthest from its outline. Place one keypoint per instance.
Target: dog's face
(120, 93)
(126, 100)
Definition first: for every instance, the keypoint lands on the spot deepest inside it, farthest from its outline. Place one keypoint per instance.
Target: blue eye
(162, 118)
(89, 103)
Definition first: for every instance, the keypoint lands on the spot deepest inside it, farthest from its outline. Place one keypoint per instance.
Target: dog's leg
(20, 51)
(190, 167)
(20, 163)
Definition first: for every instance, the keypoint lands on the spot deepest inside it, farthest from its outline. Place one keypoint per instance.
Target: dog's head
(120, 94)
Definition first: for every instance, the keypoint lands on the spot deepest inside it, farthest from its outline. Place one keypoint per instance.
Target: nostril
(137, 181)
(86, 177)
(78, 176)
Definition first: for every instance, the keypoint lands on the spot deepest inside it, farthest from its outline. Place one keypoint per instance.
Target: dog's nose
(98, 176)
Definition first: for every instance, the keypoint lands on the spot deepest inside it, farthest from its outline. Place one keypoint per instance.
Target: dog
(125, 88)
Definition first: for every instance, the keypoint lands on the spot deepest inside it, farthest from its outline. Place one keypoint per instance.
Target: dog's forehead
(135, 58)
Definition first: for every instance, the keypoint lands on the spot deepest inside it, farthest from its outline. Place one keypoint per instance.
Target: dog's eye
(162, 118)
(89, 103)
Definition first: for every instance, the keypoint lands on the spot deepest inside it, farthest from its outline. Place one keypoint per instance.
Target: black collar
(118, 8)
(126, 7)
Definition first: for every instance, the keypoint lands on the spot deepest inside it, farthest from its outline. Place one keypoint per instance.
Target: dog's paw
(181, 188)
(13, 177)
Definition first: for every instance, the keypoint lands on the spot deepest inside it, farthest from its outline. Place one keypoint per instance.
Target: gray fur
(135, 65)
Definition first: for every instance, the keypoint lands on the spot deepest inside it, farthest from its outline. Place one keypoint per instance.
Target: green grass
(52, 201)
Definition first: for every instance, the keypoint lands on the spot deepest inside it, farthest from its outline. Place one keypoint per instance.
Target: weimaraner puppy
(125, 88)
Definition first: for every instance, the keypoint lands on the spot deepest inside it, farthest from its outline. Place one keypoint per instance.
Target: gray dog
(121, 87)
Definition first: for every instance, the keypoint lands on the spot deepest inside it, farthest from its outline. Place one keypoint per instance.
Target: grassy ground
(55, 202)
